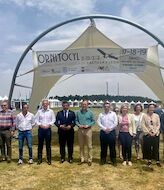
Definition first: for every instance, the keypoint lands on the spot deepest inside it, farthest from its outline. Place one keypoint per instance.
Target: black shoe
(114, 163)
(158, 164)
(49, 162)
(62, 161)
(149, 163)
(8, 160)
(102, 161)
(70, 161)
(89, 163)
(39, 162)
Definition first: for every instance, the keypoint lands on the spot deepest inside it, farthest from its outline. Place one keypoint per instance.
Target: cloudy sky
(21, 21)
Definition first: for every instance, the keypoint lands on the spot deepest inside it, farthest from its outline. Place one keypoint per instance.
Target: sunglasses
(3, 105)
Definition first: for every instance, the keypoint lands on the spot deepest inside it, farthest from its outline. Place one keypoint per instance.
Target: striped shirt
(7, 120)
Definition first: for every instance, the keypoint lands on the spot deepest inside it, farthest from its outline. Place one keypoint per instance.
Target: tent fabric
(152, 76)
(41, 86)
(90, 38)
(93, 38)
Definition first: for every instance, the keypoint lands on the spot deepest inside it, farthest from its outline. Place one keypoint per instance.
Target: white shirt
(138, 120)
(25, 122)
(45, 117)
(107, 120)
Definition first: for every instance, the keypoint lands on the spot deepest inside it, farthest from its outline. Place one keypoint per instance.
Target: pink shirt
(124, 125)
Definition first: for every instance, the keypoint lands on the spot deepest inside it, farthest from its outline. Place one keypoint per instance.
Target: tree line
(103, 98)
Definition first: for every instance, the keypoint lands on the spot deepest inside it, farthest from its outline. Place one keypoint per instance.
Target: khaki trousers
(85, 138)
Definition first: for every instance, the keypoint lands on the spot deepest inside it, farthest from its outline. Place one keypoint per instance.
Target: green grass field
(74, 177)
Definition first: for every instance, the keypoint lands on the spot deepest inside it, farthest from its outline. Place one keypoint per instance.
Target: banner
(91, 60)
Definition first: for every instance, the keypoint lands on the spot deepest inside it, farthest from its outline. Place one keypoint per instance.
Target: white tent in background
(132, 102)
(76, 103)
(145, 104)
(54, 103)
(1, 98)
(113, 103)
(139, 102)
(93, 38)
(95, 102)
(5, 98)
(90, 102)
(119, 103)
(126, 102)
(152, 103)
(101, 102)
(70, 103)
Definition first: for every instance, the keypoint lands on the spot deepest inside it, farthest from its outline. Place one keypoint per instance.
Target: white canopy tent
(93, 38)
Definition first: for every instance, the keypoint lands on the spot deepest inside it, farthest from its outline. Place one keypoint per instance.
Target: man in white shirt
(24, 123)
(107, 122)
(44, 118)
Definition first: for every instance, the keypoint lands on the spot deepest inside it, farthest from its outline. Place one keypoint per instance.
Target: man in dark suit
(65, 121)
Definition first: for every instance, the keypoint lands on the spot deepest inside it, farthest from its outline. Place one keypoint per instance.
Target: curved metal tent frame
(91, 17)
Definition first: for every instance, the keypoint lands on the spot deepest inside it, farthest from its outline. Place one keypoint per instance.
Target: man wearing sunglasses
(7, 128)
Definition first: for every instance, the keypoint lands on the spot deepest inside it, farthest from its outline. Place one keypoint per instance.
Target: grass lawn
(75, 177)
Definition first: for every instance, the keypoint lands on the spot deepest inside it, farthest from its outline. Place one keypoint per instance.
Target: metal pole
(107, 88)
(91, 17)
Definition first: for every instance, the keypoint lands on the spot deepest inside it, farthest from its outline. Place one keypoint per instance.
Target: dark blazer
(61, 120)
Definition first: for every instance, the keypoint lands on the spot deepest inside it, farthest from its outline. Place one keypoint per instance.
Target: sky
(23, 20)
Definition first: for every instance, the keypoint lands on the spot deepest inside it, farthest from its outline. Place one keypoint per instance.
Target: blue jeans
(28, 136)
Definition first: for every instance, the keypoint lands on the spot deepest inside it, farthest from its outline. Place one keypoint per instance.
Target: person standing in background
(117, 111)
(7, 129)
(151, 130)
(24, 123)
(85, 120)
(138, 139)
(65, 121)
(127, 131)
(160, 111)
(108, 122)
(44, 118)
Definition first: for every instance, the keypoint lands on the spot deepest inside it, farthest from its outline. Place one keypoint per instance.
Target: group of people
(125, 128)
(116, 126)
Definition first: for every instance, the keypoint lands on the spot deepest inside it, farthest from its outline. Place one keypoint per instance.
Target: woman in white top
(138, 115)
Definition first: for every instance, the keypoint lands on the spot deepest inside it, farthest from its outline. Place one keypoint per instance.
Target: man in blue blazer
(65, 121)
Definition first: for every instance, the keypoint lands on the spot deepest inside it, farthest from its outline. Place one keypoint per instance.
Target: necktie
(65, 114)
